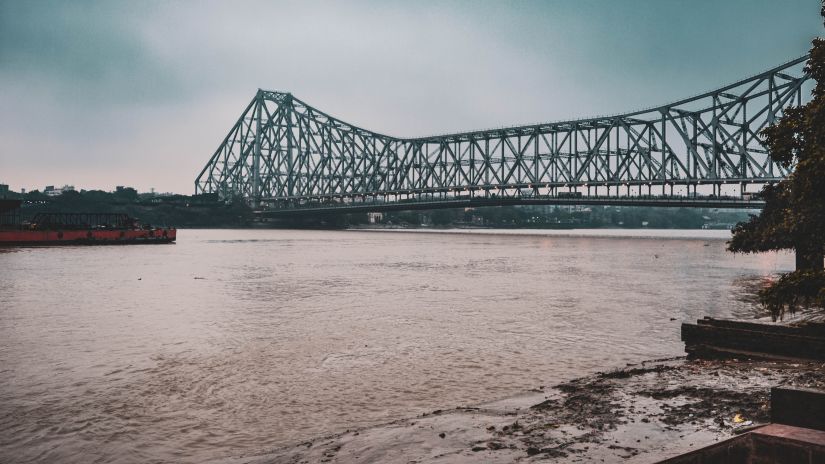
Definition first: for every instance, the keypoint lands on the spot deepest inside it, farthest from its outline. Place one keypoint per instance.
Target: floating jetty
(713, 338)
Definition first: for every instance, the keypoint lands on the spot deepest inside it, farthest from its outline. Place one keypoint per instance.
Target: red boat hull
(86, 237)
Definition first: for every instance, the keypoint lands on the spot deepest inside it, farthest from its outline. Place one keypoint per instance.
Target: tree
(442, 217)
(126, 193)
(35, 196)
(794, 213)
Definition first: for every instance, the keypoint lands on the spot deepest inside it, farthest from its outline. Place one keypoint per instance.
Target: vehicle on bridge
(569, 195)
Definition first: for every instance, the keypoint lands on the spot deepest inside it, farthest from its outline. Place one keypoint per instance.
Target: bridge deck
(477, 202)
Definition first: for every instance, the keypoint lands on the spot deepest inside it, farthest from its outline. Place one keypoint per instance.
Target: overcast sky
(140, 93)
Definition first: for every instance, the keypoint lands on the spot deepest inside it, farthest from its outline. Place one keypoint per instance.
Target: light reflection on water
(231, 342)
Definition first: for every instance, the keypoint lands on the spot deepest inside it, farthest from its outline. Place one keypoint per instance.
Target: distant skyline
(100, 93)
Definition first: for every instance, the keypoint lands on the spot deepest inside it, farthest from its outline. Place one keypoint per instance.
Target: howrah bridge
(286, 157)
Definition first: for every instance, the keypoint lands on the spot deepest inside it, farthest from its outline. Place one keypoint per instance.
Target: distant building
(55, 192)
(4, 188)
(375, 218)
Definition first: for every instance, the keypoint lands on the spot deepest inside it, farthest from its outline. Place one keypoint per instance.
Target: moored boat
(76, 228)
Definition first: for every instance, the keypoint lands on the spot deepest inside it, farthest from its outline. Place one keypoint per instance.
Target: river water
(232, 342)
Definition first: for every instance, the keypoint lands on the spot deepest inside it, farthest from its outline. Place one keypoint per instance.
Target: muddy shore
(637, 414)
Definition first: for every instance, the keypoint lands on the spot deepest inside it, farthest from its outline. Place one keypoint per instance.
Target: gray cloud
(104, 93)
(86, 50)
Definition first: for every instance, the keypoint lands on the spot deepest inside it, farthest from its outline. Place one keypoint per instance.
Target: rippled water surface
(232, 342)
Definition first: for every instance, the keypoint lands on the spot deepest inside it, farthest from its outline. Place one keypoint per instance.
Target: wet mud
(637, 414)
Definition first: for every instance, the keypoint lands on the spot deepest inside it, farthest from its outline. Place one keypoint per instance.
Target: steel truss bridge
(287, 157)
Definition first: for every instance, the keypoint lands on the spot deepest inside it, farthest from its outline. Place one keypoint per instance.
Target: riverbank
(664, 234)
(638, 414)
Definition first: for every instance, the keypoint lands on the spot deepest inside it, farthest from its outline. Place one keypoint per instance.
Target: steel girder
(288, 153)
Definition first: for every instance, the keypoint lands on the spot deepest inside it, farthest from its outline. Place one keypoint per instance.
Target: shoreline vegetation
(207, 211)
(640, 413)
(708, 235)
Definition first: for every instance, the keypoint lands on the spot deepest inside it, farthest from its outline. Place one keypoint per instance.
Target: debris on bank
(796, 434)
(639, 414)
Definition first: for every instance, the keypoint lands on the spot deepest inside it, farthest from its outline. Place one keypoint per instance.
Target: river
(233, 342)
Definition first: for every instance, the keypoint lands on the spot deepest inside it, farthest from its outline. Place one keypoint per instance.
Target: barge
(76, 228)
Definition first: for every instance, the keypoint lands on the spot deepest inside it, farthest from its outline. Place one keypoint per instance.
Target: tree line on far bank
(168, 210)
(207, 211)
(550, 217)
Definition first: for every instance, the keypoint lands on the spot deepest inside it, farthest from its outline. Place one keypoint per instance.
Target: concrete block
(800, 407)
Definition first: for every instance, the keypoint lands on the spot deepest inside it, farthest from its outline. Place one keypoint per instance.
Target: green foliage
(127, 194)
(175, 210)
(768, 230)
(799, 289)
(553, 217)
(98, 196)
(794, 214)
(35, 196)
(442, 217)
(409, 217)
